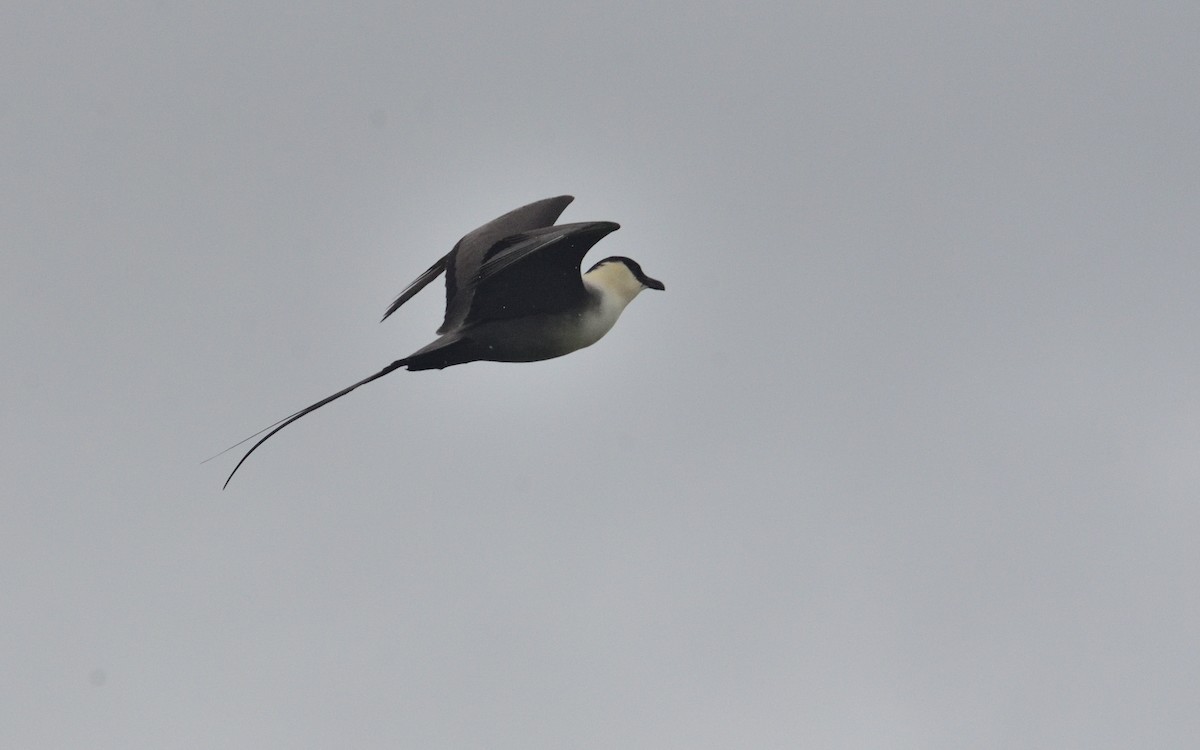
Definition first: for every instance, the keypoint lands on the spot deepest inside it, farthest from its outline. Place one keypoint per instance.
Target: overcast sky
(906, 456)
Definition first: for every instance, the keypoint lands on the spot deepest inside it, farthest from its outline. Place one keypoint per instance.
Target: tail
(446, 351)
(287, 421)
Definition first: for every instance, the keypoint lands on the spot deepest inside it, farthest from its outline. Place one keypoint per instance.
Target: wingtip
(599, 227)
(559, 202)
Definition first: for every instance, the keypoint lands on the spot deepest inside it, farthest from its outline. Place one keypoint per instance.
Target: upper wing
(468, 255)
(463, 261)
(534, 272)
(411, 290)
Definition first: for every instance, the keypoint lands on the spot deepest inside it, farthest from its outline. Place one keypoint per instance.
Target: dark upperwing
(535, 272)
(468, 254)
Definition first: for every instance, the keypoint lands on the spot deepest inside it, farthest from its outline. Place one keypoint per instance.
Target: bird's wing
(420, 283)
(468, 253)
(534, 272)
(464, 261)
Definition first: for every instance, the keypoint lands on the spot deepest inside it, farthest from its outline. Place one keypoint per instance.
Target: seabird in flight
(514, 293)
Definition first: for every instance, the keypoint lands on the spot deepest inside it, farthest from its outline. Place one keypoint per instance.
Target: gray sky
(907, 455)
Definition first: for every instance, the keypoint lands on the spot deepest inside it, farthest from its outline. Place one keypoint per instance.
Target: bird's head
(621, 276)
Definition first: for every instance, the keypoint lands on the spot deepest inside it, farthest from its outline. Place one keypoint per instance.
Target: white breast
(548, 336)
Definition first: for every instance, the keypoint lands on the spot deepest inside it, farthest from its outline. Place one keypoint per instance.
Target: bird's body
(514, 293)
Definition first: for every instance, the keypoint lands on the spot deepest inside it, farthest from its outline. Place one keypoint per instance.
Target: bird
(514, 293)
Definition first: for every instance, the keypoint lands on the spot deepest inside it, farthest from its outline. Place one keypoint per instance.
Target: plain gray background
(906, 456)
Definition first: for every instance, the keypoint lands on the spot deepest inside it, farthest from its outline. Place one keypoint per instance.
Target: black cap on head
(634, 268)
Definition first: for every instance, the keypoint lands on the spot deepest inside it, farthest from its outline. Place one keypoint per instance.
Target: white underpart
(610, 287)
(615, 287)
